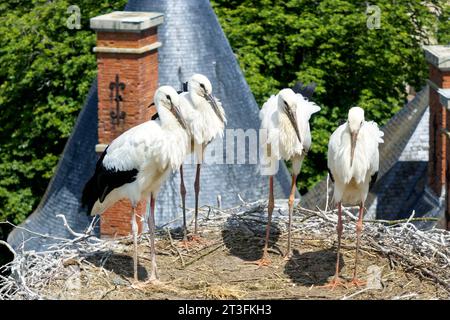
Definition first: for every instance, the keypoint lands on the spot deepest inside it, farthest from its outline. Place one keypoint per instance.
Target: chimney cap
(126, 21)
(439, 56)
(444, 97)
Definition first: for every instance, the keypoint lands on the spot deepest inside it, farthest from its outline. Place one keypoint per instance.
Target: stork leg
(134, 228)
(359, 227)
(336, 280)
(195, 237)
(265, 261)
(291, 209)
(151, 225)
(183, 202)
(197, 191)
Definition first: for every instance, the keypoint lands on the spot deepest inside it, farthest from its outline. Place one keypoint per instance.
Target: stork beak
(214, 105)
(293, 120)
(176, 112)
(353, 137)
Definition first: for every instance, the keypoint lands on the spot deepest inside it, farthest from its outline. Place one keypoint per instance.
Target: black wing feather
(103, 182)
(306, 91)
(331, 175)
(156, 115)
(373, 179)
(184, 87)
(90, 194)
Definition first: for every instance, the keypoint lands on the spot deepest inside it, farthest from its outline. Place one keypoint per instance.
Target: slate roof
(193, 41)
(401, 185)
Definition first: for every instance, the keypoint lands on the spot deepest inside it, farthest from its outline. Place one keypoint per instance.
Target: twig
(203, 255)
(76, 234)
(408, 221)
(108, 292)
(354, 294)
(32, 232)
(392, 222)
(410, 295)
(176, 248)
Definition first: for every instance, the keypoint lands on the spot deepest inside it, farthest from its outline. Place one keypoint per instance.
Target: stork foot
(139, 285)
(191, 241)
(185, 243)
(136, 284)
(287, 256)
(358, 283)
(263, 262)
(153, 281)
(196, 238)
(333, 284)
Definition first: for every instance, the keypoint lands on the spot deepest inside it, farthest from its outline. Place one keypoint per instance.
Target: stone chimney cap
(439, 56)
(444, 97)
(126, 21)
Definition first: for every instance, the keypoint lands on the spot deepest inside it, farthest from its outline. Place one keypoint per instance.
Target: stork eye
(168, 97)
(202, 86)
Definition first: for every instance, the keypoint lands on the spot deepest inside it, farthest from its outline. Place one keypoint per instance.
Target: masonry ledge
(140, 50)
(439, 56)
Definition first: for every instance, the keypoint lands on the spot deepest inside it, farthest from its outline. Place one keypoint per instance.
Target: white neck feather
(167, 118)
(196, 99)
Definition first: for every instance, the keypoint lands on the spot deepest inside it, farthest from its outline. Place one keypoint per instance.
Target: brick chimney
(438, 57)
(127, 59)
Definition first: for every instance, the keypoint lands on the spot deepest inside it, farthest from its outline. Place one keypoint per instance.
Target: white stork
(353, 161)
(285, 117)
(206, 120)
(137, 162)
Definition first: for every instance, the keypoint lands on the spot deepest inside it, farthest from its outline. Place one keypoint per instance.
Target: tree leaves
(46, 72)
(443, 28)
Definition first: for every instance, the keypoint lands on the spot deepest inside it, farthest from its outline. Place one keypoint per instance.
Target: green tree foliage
(443, 31)
(279, 42)
(45, 74)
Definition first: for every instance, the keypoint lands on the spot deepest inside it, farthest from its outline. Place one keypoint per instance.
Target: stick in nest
(176, 248)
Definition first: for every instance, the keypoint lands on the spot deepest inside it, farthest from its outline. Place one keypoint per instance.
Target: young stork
(353, 161)
(285, 119)
(137, 162)
(206, 120)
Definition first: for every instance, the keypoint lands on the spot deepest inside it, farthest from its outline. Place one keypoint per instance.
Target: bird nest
(398, 260)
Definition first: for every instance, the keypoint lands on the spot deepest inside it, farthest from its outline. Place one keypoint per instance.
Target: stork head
(287, 103)
(355, 121)
(200, 86)
(166, 98)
